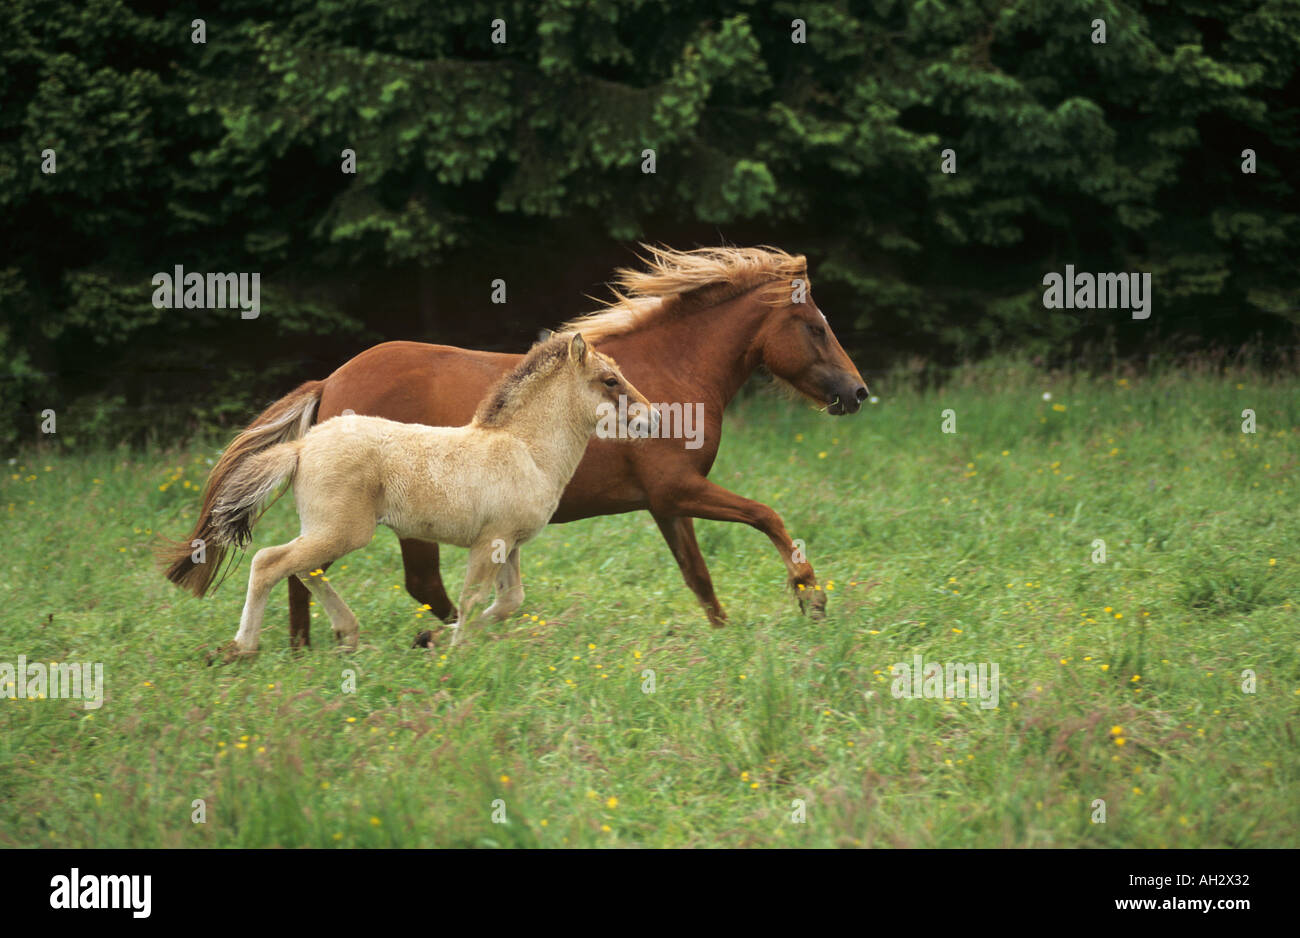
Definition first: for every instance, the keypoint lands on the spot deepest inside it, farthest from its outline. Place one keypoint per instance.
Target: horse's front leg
(703, 499)
(679, 532)
(424, 579)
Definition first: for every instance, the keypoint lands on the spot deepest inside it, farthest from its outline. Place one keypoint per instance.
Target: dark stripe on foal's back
(541, 359)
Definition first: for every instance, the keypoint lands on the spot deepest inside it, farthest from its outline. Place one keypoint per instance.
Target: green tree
(229, 155)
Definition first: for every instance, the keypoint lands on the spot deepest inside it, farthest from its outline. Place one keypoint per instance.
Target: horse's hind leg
(300, 612)
(346, 628)
(423, 578)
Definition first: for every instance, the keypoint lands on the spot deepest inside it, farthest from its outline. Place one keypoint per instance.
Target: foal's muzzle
(644, 426)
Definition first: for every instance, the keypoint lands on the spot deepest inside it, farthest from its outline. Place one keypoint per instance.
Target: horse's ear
(543, 334)
(578, 349)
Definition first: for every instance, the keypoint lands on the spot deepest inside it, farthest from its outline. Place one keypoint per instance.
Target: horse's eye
(611, 382)
(816, 330)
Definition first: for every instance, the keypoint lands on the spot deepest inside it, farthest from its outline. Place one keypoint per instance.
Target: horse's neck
(714, 347)
(554, 426)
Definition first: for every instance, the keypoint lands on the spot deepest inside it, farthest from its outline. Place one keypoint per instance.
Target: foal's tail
(249, 470)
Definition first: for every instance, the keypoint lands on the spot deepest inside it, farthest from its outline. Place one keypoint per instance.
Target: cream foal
(488, 486)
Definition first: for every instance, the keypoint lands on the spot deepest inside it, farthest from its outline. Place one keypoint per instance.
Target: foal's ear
(578, 349)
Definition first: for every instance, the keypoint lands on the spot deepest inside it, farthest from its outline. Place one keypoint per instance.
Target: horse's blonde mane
(674, 280)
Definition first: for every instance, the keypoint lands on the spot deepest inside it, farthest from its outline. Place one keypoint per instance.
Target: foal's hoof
(227, 653)
(423, 640)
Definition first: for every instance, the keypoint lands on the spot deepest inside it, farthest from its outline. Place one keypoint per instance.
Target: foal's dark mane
(541, 360)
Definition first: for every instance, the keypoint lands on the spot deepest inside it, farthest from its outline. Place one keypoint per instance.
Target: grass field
(1121, 681)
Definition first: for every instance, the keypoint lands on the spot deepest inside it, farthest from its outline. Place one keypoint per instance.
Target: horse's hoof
(812, 603)
(423, 640)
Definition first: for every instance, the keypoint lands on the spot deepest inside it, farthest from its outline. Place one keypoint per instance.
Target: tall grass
(1120, 681)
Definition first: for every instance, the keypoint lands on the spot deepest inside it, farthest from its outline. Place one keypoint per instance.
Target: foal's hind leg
(346, 628)
(271, 565)
(299, 611)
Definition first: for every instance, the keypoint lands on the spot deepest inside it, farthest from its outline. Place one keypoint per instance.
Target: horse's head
(792, 339)
(798, 346)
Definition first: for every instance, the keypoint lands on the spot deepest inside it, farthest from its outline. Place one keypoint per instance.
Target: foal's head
(590, 378)
(798, 346)
(606, 387)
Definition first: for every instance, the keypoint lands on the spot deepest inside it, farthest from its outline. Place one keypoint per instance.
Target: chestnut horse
(690, 328)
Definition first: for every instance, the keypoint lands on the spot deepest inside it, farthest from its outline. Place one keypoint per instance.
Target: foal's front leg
(479, 576)
(510, 590)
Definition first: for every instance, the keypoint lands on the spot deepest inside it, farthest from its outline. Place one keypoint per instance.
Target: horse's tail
(249, 470)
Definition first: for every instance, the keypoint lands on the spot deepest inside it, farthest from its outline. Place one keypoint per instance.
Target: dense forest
(380, 163)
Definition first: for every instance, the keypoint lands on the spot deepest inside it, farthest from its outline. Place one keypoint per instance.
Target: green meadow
(1163, 682)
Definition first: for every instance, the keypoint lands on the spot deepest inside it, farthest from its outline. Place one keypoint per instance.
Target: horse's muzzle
(849, 402)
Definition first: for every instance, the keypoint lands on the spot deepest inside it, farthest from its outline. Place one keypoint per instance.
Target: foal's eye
(611, 382)
(816, 330)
